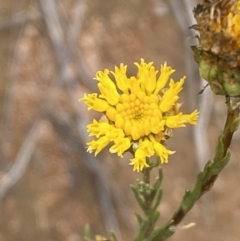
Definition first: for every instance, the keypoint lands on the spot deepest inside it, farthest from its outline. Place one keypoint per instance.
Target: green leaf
(113, 236)
(158, 199)
(218, 165)
(155, 216)
(190, 197)
(219, 148)
(159, 179)
(138, 198)
(160, 234)
(235, 124)
(87, 233)
(87, 239)
(139, 218)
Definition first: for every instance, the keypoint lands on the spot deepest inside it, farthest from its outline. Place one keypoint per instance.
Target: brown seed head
(218, 23)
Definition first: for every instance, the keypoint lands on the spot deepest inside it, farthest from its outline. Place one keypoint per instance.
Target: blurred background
(50, 188)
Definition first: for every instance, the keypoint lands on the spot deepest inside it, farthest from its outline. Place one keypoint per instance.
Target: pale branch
(65, 58)
(62, 48)
(104, 191)
(16, 171)
(18, 19)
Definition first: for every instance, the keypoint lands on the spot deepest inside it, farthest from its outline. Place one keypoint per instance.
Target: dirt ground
(61, 188)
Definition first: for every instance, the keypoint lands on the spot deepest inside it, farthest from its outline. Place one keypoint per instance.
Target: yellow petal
(95, 103)
(165, 73)
(171, 95)
(97, 145)
(98, 128)
(120, 146)
(121, 78)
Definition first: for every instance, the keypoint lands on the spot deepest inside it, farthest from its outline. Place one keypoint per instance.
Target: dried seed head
(218, 23)
(218, 52)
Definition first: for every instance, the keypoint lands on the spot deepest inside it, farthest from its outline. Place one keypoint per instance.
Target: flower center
(138, 115)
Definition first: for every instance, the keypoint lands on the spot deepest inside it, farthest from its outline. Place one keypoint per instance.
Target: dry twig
(24, 155)
(18, 19)
(63, 55)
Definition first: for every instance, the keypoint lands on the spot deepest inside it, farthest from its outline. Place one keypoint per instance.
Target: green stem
(146, 179)
(149, 226)
(205, 179)
(229, 129)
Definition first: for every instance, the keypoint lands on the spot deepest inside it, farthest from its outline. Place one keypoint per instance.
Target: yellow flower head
(139, 112)
(218, 23)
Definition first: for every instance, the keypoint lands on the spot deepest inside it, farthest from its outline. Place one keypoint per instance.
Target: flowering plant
(140, 112)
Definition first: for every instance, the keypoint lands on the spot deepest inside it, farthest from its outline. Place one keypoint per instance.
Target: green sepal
(223, 79)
